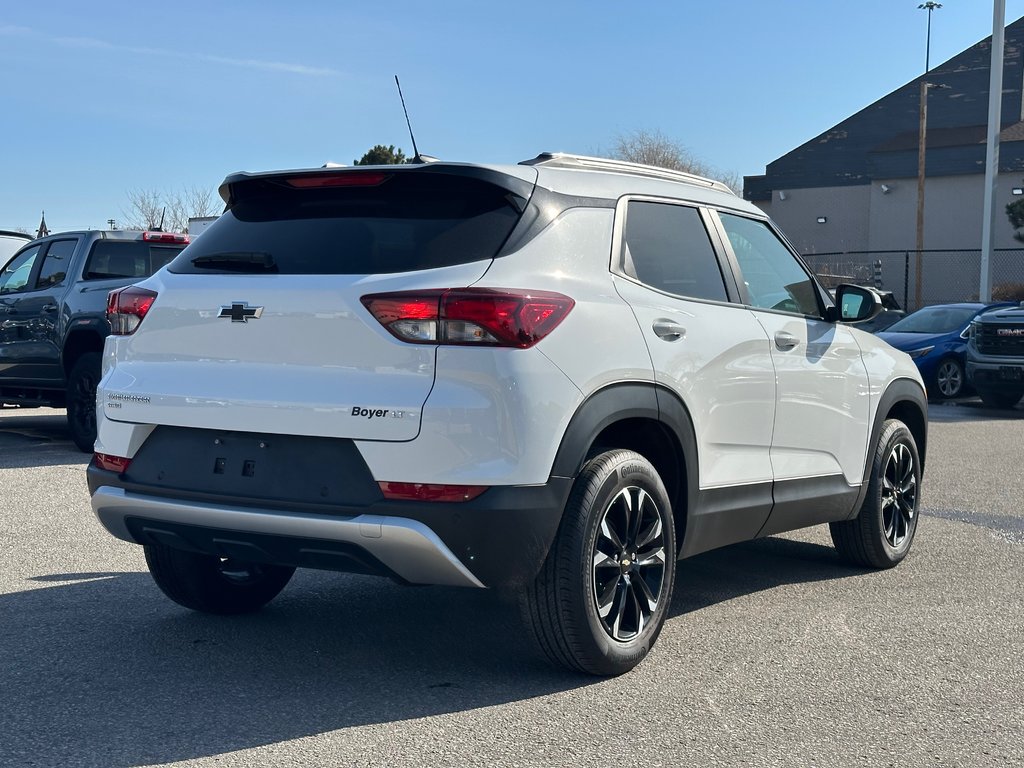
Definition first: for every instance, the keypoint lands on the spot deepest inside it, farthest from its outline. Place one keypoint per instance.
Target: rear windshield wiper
(237, 261)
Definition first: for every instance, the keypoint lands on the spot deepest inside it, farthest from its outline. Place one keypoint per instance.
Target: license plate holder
(1011, 373)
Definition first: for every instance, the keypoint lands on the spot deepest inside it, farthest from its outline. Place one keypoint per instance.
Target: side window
(667, 247)
(773, 276)
(56, 263)
(14, 278)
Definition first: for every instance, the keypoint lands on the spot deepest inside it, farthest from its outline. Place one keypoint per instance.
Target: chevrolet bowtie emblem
(240, 312)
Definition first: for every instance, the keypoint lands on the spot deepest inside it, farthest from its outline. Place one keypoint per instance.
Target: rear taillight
(127, 308)
(110, 463)
(474, 316)
(166, 237)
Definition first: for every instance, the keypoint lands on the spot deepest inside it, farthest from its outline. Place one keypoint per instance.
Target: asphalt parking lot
(776, 654)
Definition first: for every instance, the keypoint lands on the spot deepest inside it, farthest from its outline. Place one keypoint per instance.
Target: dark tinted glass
(936, 320)
(127, 258)
(411, 221)
(55, 263)
(668, 248)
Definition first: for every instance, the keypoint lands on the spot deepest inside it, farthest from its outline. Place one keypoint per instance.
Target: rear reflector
(470, 316)
(127, 308)
(346, 179)
(110, 463)
(429, 491)
(166, 237)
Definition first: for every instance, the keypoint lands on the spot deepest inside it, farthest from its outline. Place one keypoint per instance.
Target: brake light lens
(470, 316)
(429, 491)
(110, 463)
(127, 308)
(346, 179)
(166, 237)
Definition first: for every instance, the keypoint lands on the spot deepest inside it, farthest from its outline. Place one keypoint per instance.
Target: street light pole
(928, 6)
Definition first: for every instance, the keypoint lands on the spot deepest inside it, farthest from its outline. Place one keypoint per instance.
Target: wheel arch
(903, 399)
(641, 417)
(79, 342)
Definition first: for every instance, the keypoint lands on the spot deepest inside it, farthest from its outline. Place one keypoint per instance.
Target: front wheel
(81, 400)
(881, 534)
(213, 584)
(602, 596)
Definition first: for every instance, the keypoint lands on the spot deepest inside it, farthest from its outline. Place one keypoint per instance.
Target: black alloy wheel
(629, 563)
(81, 400)
(603, 594)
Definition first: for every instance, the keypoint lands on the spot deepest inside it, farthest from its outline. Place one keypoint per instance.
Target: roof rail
(582, 162)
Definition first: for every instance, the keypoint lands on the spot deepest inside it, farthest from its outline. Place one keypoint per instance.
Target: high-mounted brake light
(346, 179)
(429, 491)
(127, 308)
(166, 237)
(470, 316)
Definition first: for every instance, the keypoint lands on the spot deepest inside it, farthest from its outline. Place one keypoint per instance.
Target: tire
(1002, 400)
(81, 400)
(881, 534)
(601, 597)
(948, 381)
(212, 584)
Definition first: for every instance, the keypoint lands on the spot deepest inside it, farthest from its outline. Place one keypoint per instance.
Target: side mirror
(855, 304)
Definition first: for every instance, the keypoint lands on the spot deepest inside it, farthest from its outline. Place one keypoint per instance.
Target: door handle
(49, 308)
(668, 330)
(784, 340)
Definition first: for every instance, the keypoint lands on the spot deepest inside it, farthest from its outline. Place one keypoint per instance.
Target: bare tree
(654, 148)
(148, 209)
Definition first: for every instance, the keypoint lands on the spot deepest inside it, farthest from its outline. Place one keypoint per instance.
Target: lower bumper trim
(407, 548)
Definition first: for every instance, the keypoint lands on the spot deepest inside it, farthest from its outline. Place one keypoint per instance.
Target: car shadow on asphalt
(36, 438)
(754, 566)
(102, 664)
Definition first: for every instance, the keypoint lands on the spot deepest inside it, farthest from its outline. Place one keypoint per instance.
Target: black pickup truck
(995, 356)
(53, 302)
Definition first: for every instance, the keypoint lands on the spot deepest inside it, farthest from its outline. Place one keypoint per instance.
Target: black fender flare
(904, 399)
(634, 400)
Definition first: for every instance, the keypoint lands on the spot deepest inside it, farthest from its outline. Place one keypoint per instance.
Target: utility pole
(995, 104)
(922, 134)
(928, 6)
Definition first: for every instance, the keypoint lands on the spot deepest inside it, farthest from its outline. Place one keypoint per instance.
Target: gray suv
(53, 303)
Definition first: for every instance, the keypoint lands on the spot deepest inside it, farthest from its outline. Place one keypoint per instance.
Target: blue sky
(103, 98)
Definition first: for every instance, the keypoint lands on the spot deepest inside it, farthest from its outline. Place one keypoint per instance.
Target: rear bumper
(501, 538)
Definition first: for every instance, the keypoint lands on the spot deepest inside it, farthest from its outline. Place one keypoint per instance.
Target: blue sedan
(936, 338)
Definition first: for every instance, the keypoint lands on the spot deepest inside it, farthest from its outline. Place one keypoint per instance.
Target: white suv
(559, 376)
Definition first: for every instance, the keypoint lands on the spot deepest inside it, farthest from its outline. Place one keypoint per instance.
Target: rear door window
(409, 221)
(667, 247)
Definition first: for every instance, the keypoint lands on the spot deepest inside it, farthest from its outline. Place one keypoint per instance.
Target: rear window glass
(411, 221)
(127, 258)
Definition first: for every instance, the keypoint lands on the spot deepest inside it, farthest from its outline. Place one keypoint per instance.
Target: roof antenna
(417, 157)
(163, 213)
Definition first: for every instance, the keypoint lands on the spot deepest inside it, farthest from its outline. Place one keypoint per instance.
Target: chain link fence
(918, 279)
